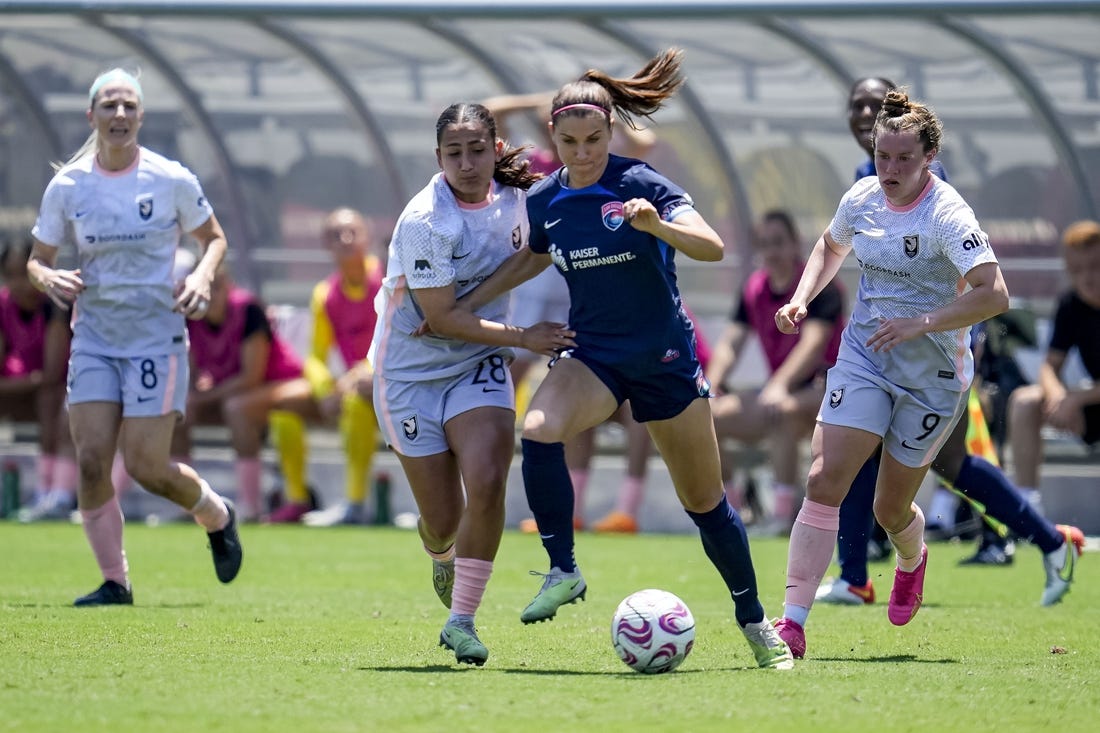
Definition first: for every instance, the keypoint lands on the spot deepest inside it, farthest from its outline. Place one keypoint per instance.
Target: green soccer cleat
(558, 589)
(770, 650)
(443, 579)
(461, 637)
(1060, 574)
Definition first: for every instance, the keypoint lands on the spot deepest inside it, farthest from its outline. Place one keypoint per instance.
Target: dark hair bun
(896, 103)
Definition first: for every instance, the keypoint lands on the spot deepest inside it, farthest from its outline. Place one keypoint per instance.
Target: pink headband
(582, 105)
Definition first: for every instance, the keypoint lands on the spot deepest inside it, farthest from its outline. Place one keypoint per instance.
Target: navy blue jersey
(624, 303)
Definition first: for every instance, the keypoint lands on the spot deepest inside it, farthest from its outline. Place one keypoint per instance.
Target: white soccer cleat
(840, 592)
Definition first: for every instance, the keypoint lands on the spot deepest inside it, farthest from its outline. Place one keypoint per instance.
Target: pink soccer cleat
(908, 592)
(794, 635)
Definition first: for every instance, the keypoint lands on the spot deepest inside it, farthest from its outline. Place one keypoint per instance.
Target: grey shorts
(145, 386)
(913, 423)
(412, 414)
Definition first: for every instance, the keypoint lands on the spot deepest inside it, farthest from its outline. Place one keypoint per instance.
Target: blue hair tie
(112, 76)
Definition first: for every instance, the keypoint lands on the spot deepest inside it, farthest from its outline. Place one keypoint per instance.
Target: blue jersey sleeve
(667, 197)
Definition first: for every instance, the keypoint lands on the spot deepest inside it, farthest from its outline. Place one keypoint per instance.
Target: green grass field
(336, 630)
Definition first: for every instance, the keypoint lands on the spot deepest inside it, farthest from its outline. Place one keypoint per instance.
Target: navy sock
(727, 546)
(550, 496)
(986, 484)
(857, 516)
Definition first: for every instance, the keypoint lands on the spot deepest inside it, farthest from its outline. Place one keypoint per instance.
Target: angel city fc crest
(517, 238)
(912, 244)
(612, 214)
(411, 428)
(835, 396)
(145, 207)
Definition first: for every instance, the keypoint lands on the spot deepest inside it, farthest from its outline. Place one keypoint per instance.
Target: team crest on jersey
(670, 356)
(145, 207)
(410, 427)
(835, 396)
(517, 238)
(912, 245)
(612, 214)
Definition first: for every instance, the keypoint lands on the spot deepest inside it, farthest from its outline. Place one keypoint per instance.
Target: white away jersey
(438, 243)
(127, 226)
(911, 261)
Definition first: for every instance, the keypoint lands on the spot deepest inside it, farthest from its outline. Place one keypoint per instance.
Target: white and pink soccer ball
(652, 631)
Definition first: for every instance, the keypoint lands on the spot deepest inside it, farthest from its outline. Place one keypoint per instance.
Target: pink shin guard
(813, 538)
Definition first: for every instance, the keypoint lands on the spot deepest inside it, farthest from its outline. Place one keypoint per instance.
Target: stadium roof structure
(286, 109)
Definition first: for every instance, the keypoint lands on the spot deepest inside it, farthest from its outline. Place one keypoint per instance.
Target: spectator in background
(238, 363)
(1070, 408)
(34, 351)
(343, 320)
(783, 411)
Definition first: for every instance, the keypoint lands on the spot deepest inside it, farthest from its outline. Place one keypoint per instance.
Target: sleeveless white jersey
(437, 243)
(126, 227)
(912, 260)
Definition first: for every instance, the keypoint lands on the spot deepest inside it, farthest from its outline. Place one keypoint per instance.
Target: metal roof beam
(634, 9)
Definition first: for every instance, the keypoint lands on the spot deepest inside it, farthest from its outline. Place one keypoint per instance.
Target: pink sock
(66, 475)
(579, 477)
(103, 528)
(471, 577)
(630, 495)
(44, 471)
(909, 542)
(210, 511)
(813, 539)
(120, 477)
(248, 472)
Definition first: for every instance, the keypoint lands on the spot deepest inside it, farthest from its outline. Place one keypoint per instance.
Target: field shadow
(893, 658)
(69, 604)
(437, 668)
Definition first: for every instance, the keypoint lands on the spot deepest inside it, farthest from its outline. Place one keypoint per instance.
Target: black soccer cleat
(108, 594)
(992, 553)
(225, 546)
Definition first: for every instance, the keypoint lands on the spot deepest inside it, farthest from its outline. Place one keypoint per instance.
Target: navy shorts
(654, 393)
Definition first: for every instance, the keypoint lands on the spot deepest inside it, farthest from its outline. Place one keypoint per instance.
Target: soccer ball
(652, 631)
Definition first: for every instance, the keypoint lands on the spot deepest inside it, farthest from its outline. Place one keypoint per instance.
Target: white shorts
(412, 414)
(544, 297)
(146, 386)
(913, 423)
